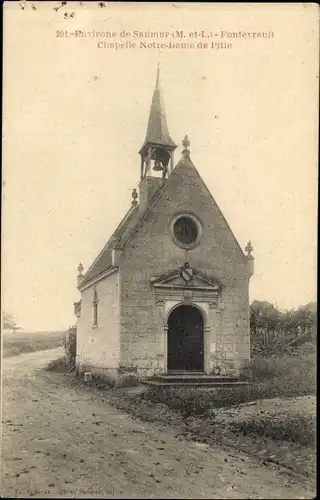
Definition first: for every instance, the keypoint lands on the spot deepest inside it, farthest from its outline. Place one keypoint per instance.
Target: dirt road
(64, 443)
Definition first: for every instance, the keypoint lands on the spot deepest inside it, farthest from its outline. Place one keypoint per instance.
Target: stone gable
(151, 251)
(218, 252)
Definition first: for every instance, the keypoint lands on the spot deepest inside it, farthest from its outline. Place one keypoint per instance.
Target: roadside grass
(22, 342)
(283, 376)
(300, 429)
(59, 365)
(289, 373)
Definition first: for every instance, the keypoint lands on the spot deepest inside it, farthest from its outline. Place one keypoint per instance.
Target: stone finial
(186, 145)
(134, 196)
(249, 249)
(80, 275)
(250, 261)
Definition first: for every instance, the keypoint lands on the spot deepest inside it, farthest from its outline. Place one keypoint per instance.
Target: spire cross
(186, 145)
(186, 142)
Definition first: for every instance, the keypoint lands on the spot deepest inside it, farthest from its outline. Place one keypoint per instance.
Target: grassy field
(20, 342)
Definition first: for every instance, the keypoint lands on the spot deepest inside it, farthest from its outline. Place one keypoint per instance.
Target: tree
(264, 319)
(306, 317)
(272, 328)
(9, 323)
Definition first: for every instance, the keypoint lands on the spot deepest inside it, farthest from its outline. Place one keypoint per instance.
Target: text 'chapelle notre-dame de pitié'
(175, 39)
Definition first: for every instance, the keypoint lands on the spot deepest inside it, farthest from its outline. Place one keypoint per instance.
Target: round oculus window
(185, 230)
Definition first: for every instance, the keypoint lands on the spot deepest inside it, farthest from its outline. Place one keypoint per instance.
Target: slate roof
(104, 259)
(119, 238)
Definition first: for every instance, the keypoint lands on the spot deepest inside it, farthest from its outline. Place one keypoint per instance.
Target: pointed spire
(158, 76)
(157, 131)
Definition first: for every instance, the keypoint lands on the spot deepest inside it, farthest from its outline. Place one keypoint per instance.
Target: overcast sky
(75, 117)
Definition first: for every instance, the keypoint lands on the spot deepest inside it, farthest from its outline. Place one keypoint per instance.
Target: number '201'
(61, 33)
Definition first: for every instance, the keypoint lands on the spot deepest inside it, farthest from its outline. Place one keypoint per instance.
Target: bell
(157, 166)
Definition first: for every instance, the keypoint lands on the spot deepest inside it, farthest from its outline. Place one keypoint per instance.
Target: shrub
(297, 428)
(58, 365)
(102, 381)
(187, 401)
(286, 375)
(71, 344)
(196, 401)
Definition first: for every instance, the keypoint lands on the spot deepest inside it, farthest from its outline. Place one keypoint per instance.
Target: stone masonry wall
(231, 352)
(99, 346)
(152, 252)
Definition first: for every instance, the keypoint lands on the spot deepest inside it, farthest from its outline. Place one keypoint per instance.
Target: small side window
(95, 308)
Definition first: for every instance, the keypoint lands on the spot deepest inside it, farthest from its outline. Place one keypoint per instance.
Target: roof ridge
(112, 237)
(144, 214)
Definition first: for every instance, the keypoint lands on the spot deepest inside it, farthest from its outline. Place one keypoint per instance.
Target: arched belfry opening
(185, 340)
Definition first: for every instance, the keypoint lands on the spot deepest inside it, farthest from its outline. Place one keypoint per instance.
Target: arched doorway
(185, 339)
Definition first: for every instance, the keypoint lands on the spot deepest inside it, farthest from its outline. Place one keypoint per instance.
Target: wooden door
(185, 339)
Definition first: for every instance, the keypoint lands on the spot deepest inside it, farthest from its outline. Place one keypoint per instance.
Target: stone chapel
(169, 293)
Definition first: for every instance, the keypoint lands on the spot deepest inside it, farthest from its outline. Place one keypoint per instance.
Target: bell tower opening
(158, 147)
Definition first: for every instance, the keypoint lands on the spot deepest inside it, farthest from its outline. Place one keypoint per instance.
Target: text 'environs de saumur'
(165, 35)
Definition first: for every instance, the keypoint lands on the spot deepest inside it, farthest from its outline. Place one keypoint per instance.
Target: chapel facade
(169, 292)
